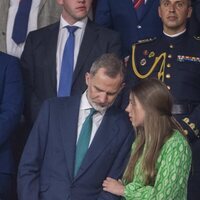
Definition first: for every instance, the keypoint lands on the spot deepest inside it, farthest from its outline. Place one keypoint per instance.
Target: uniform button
(186, 132)
(168, 76)
(171, 46)
(169, 56)
(168, 65)
(139, 26)
(3, 33)
(169, 88)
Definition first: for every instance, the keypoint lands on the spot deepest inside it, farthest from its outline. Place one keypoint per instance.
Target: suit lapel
(102, 138)
(86, 47)
(68, 128)
(42, 2)
(146, 9)
(50, 59)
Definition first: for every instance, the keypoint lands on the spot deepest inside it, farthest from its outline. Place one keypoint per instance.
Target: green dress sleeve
(173, 166)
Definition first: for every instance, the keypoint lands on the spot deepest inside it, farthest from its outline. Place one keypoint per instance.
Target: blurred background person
(194, 22)
(11, 106)
(18, 18)
(133, 19)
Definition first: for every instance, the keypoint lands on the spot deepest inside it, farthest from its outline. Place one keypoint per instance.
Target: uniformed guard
(174, 58)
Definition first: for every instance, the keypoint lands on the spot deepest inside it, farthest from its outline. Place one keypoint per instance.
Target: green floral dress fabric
(173, 166)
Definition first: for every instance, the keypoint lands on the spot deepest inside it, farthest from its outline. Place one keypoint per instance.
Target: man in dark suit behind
(48, 168)
(42, 56)
(132, 24)
(11, 105)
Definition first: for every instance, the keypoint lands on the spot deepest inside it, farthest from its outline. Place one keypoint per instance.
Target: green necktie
(83, 141)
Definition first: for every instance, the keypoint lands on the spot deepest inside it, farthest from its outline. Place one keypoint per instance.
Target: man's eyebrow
(109, 93)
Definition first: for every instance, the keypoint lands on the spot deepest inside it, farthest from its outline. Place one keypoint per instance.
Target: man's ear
(122, 86)
(59, 2)
(159, 11)
(87, 78)
(189, 12)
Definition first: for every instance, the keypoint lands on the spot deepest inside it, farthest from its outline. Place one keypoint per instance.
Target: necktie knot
(92, 112)
(138, 3)
(71, 29)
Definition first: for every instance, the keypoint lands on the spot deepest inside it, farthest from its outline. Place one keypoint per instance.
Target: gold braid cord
(161, 73)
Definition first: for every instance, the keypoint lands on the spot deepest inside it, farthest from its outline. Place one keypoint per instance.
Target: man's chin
(100, 108)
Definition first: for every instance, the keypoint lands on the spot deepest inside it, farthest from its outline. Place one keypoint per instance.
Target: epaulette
(146, 40)
(196, 38)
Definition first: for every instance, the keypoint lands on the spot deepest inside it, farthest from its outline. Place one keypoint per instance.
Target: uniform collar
(175, 38)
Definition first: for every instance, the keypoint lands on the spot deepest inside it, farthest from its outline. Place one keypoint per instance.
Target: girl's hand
(113, 186)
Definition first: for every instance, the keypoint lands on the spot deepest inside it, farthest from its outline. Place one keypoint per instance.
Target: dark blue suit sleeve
(119, 165)
(11, 96)
(32, 157)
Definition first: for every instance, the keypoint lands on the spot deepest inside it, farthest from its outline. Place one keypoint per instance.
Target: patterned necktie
(21, 21)
(84, 139)
(138, 3)
(139, 7)
(67, 65)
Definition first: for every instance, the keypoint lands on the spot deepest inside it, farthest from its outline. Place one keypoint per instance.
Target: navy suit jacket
(46, 170)
(11, 105)
(120, 16)
(39, 62)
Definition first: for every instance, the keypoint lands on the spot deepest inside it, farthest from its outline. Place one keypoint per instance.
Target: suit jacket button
(139, 26)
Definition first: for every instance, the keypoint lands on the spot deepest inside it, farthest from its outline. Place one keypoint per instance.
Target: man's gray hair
(111, 63)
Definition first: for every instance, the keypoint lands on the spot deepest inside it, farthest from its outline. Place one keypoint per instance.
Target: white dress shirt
(62, 38)
(13, 48)
(84, 112)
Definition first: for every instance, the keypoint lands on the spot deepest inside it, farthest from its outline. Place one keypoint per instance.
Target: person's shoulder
(177, 140)
(146, 41)
(145, 44)
(7, 56)
(119, 114)
(102, 30)
(45, 29)
(63, 100)
(6, 59)
(196, 38)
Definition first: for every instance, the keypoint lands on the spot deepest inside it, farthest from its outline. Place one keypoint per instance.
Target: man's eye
(166, 4)
(179, 5)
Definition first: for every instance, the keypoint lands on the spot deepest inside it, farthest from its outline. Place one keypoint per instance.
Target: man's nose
(172, 7)
(103, 97)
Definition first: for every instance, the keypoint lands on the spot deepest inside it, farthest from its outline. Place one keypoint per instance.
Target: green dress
(173, 166)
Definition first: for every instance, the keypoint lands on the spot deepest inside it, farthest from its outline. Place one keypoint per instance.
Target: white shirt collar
(81, 24)
(85, 105)
(175, 35)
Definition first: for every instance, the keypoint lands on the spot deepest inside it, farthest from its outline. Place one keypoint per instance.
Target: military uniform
(175, 61)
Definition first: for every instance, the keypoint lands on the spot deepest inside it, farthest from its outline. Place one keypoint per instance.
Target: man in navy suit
(132, 24)
(11, 105)
(47, 168)
(43, 52)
